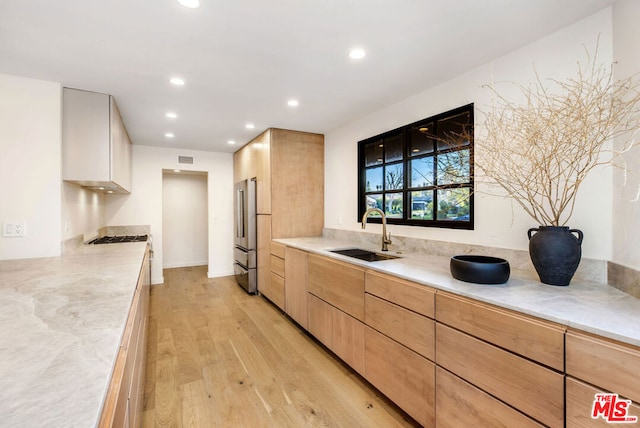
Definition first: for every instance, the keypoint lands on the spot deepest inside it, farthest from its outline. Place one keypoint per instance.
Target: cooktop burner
(118, 239)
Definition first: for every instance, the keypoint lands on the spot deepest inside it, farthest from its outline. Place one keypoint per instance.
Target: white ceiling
(243, 59)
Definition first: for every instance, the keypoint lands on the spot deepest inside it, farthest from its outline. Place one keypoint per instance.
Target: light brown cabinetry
(400, 343)
(538, 340)
(289, 170)
(338, 283)
(461, 405)
(123, 405)
(608, 366)
(487, 347)
(336, 308)
(295, 285)
(407, 378)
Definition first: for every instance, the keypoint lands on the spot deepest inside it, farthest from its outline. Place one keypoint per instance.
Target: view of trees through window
(422, 173)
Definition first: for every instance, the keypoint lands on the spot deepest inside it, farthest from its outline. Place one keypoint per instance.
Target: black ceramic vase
(555, 252)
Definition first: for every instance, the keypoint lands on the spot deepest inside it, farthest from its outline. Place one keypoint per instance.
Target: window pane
(422, 205)
(393, 205)
(454, 167)
(420, 139)
(373, 153)
(452, 131)
(394, 176)
(453, 204)
(422, 172)
(374, 180)
(374, 201)
(393, 148)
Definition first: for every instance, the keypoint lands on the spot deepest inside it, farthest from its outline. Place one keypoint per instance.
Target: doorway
(185, 229)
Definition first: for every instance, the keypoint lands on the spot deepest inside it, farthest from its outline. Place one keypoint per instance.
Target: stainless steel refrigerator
(245, 265)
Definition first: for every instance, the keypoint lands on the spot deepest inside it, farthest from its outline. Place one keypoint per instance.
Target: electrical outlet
(10, 230)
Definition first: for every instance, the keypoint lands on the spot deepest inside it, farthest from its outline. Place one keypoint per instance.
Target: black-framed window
(420, 174)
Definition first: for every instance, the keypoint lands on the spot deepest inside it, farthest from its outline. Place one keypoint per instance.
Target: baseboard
(219, 274)
(184, 264)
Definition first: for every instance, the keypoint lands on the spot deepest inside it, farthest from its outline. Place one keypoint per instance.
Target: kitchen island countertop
(589, 306)
(61, 324)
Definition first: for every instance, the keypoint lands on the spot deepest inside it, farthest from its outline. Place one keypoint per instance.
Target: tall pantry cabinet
(289, 170)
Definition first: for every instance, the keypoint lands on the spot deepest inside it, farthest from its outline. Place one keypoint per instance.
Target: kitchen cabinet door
(338, 283)
(348, 340)
(321, 320)
(295, 286)
(407, 378)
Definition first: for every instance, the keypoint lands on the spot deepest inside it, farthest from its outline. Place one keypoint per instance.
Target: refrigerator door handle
(240, 232)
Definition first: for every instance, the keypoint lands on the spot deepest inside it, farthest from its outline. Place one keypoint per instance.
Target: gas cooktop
(118, 239)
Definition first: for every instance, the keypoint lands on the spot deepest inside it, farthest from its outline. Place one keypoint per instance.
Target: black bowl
(480, 269)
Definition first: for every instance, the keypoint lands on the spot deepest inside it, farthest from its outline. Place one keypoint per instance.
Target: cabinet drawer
(609, 365)
(348, 340)
(276, 290)
(277, 249)
(409, 328)
(338, 283)
(580, 397)
(533, 389)
(460, 405)
(320, 320)
(538, 340)
(402, 375)
(416, 297)
(277, 265)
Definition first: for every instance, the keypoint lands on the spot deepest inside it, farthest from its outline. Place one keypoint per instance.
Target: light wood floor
(218, 357)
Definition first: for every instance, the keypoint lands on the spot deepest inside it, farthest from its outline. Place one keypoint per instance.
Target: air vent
(185, 160)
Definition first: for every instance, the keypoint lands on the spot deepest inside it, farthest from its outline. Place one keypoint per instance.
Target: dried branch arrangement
(540, 151)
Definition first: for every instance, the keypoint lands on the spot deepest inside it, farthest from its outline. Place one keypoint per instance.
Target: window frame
(405, 132)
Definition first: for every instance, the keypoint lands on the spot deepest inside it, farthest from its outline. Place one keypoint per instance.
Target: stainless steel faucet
(386, 239)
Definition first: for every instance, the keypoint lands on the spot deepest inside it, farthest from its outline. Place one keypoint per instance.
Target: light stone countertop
(588, 306)
(61, 323)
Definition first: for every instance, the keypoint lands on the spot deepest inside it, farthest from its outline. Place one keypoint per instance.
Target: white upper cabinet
(96, 150)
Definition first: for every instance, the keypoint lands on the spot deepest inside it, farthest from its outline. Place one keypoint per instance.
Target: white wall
(184, 220)
(30, 171)
(626, 50)
(82, 211)
(498, 222)
(144, 204)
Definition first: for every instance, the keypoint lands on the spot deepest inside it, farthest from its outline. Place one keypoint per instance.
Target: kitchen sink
(366, 255)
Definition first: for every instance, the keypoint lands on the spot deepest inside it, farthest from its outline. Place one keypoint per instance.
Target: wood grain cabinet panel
(337, 283)
(538, 340)
(295, 285)
(321, 320)
(409, 328)
(277, 266)
(415, 297)
(461, 405)
(407, 378)
(531, 388)
(348, 340)
(580, 397)
(606, 364)
(278, 249)
(263, 256)
(276, 291)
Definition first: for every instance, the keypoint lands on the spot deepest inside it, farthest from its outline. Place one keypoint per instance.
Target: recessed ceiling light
(231, 142)
(177, 170)
(249, 126)
(109, 191)
(100, 188)
(178, 81)
(191, 4)
(293, 103)
(171, 115)
(169, 135)
(357, 53)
